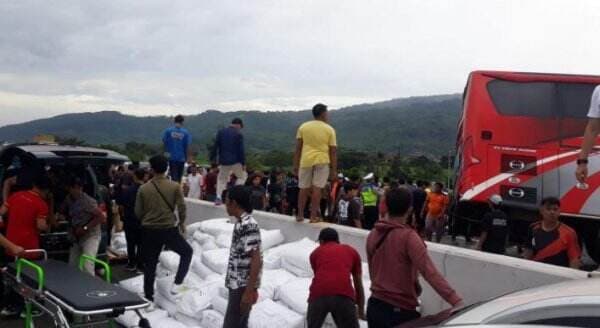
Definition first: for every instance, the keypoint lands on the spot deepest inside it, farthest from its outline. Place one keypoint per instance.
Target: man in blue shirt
(176, 141)
(229, 153)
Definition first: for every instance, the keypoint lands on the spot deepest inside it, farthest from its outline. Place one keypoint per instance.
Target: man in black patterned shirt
(245, 260)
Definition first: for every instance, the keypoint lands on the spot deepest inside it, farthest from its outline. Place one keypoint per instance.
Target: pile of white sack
(283, 294)
(118, 243)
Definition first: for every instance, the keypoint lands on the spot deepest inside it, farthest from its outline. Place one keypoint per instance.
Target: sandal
(316, 220)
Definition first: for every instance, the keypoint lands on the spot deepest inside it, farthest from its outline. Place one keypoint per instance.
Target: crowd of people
(150, 202)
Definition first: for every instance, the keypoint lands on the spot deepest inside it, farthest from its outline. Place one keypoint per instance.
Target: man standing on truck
(155, 206)
(229, 153)
(315, 160)
(550, 241)
(337, 286)
(176, 141)
(245, 259)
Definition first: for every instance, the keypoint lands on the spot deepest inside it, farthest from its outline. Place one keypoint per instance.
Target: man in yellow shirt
(315, 160)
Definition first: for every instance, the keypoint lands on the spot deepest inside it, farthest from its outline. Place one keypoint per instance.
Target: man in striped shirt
(245, 261)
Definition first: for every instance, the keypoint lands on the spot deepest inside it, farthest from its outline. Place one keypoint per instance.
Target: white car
(574, 303)
(511, 326)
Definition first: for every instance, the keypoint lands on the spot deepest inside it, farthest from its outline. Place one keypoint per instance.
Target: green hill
(409, 126)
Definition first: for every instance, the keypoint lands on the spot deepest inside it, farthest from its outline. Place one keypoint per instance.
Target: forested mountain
(409, 126)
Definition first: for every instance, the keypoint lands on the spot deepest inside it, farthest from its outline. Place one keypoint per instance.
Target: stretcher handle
(37, 268)
(86, 258)
(34, 251)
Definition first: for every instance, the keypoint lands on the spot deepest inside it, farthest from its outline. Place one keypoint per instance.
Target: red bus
(519, 136)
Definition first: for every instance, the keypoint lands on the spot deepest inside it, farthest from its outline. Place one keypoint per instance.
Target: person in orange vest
(435, 211)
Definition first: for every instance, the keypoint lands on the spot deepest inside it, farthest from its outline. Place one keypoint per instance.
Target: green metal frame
(41, 277)
(40, 272)
(107, 271)
(107, 274)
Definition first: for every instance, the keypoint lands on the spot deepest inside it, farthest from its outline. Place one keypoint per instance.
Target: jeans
(342, 309)
(436, 225)
(383, 315)
(176, 170)
(87, 245)
(234, 318)
(133, 235)
(371, 216)
(153, 241)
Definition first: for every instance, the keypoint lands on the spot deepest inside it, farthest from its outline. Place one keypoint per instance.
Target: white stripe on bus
(478, 189)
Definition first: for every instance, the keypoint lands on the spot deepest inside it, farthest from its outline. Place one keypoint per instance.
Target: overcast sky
(166, 57)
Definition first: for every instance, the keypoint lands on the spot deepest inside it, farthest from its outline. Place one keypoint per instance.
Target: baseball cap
(496, 199)
(238, 121)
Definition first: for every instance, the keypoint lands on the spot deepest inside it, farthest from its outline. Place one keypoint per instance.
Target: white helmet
(369, 176)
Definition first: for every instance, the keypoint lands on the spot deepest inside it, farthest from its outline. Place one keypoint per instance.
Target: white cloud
(161, 57)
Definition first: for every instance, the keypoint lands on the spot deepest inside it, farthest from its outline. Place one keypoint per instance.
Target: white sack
(294, 294)
(169, 260)
(271, 281)
(212, 319)
(134, 285)
(296, 259)
(270, 238)
(268, 314)
(216, 260)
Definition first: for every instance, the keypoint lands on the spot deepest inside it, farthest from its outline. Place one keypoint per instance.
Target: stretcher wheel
(144, 323)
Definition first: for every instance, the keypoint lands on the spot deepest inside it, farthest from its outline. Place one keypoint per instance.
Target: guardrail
(477, 276)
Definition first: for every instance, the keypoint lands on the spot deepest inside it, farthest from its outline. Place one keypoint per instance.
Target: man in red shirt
(27, 215)
(331, 290)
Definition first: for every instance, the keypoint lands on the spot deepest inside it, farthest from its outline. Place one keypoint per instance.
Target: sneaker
(9, 312)
(150, 308)
(178, 290)
(130, 268)
(218, 201)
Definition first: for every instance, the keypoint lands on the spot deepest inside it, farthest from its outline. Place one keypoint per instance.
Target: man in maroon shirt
(396, 255)
(331, 290)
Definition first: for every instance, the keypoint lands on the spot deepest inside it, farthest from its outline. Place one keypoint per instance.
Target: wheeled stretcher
(71, 297)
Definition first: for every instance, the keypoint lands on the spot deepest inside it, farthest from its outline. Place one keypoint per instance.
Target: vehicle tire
(588, 233)
(465, 218)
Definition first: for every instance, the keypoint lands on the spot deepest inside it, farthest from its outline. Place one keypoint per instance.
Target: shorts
(314, 176)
